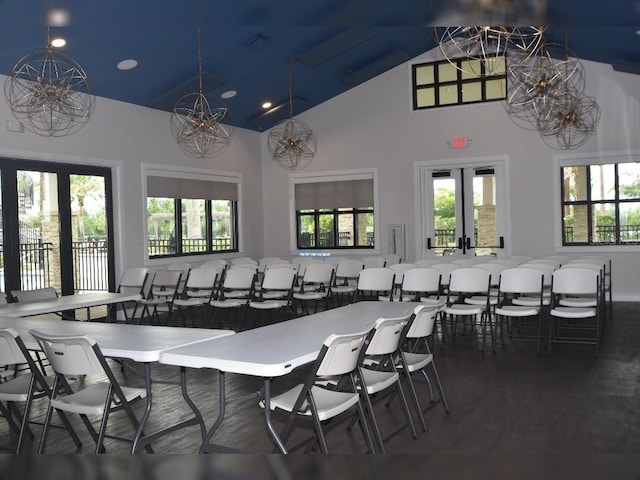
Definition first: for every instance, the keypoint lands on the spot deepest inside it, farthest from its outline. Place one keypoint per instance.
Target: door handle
(468, 243)
(429, 246)
(459, 243)
(501, 242)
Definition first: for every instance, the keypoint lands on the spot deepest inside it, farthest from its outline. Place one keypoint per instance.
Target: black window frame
(459, 83)
(591, 205)
(336, 212)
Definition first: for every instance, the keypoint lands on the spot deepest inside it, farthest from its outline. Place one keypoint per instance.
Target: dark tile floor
(513, 415)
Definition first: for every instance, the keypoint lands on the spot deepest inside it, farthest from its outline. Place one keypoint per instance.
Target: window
(336, 213)
(601, 204)
(188, 216)
(440, 84)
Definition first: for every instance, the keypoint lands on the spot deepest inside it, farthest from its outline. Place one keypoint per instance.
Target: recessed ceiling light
(228, 94)
(266, 105)
(127, 64)
(58, 42)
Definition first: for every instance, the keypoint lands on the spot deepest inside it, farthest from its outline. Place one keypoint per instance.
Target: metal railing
(91, 265)
(167, 246)
(606, 234)
(35, 267)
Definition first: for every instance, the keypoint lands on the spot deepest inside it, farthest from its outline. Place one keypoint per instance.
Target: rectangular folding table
(276, 350)
(139, 343)
(65, 303)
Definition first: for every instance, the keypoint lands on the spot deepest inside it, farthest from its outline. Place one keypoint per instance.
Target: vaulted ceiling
(334, 44)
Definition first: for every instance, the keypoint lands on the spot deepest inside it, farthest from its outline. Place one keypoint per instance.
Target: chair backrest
(522, 280)
(446, 269)
(421, 279)
(391, 259)
(507, 262)
(427, 262)
(202, 278)
(26, 296)
(373, 262)
(469, 280)
(495, 269)
(400, 269)
(3, 298)
(575, 281)
(422, 322)
(279, 279)
(385, 336)
(521, 258)
(264, 261)
(281, 264)
(546, 268)
(376, 279)
(133, 280)
(233, 261)
(240, 278)
(165, 282)
(349, 268)
(319, 273)
(215, 263)
(69, 354)
(468, 262)
(10, 351)
(549, 261)
(340, 354)
(182, 267)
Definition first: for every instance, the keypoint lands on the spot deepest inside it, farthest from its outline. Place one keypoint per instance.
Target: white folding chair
(80, 355)
(465, 283)
(576, 307)
(163, 291)
(374, 262)
(374, 283)
(399, 269)
(378, 373)
(184, 269)
(346, 279)
(322, 404)
(198, 292)
(235, 291)
(132, 282)
(315, 287)
(391, 259)
(515, 283)
(23, 387)
(415, 356)
(275, 293)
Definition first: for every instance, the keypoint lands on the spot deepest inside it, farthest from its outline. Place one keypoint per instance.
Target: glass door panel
(38, 230)
(462, 214)
(89, 233)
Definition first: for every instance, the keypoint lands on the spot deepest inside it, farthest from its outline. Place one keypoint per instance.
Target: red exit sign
(459, 142)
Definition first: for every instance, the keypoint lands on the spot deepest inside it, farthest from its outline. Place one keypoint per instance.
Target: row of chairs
(352, 370)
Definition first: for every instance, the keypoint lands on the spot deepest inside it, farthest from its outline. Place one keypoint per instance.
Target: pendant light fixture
(49, 92)
(291, 142)
(200, 127)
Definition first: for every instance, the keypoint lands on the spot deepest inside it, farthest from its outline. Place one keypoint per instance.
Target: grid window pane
(496, 88)
(576, 223)
(604, 223)
(447, 72)
(471, 92)
(575, 183)
(603, 182)
(629, 180)
(365, 229)
(222, 225)
(448, 95)
(161, 223)
(424, 75)
(425, 97)
(193, 225)
(630, 222)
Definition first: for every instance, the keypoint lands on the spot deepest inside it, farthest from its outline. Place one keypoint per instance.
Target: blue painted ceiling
(335, 44)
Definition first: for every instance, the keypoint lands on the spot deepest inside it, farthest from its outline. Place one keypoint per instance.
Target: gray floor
(516, 412)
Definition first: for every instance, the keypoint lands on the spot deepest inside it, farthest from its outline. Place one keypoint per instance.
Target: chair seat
(328, 402)
(344, 289)
(228, 303)
(91, 400)
(154, 301)
(310, 295)
(433, 302)
(578, 302)
(274, 294)
(417, 361)
(236, 294)
(480, 300)
(268, 304)
(377, 380)
(573, 312)
(517, 311)
(464, 309)
(199, 293)
(531, 301)
(17, 389)
(190, 302)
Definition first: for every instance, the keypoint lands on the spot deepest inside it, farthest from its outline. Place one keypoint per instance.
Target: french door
(56, 227)
(463, 210)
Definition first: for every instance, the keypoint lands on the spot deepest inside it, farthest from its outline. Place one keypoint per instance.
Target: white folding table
(65, 303)
(276, 350)
(139, 343)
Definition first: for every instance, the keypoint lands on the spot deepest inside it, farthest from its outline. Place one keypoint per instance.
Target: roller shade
(167, 187)
(335, 194)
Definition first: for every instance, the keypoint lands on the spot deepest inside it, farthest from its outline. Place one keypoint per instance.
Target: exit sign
(459, 142)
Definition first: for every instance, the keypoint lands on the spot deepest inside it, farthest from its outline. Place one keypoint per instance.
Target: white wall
(372, 126)
(123, 137)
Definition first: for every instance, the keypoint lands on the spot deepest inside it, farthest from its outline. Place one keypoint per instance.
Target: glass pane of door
(89, 233)
(444, 215)
(484, 233)
(38, 230)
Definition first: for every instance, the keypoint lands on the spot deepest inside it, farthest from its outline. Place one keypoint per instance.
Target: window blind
(167, 187)
(334, 194)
